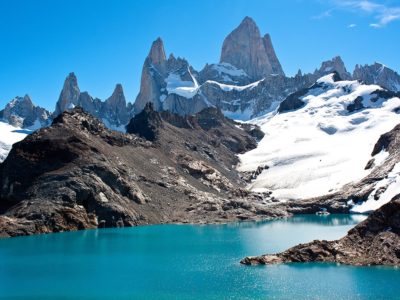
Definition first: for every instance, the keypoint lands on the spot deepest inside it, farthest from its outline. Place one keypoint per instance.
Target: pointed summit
(115, 107)
(335, 64)
(157, 53)
(273, 59)
(250, 25)
(117, 98)
(245, 49)
(69, 94)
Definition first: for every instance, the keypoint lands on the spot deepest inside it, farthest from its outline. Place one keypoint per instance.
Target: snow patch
(175, 85)
(120, 128)
(10, 135)
(226, 68)
(230, 87)
(384, 191)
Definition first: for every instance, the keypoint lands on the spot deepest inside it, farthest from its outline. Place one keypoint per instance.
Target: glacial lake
(186, 262)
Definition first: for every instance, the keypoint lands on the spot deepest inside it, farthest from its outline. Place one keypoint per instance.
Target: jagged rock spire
(116, 106)
(273, 59)
(69, 94)
(244, 48)
(157, 53)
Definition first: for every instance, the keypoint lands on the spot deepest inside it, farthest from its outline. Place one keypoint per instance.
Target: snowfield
(9, 135)
(318, 148)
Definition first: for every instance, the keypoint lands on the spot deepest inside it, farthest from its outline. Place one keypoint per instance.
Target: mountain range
(247, 82)
(182, 153)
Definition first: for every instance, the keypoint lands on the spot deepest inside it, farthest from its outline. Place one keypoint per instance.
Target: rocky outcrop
(77, 174)
(245, 49)
(146, 123)
(21, 112)
(378, 74)
(375, 241)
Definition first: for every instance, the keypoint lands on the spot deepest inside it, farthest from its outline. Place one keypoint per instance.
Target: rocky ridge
(79, 175)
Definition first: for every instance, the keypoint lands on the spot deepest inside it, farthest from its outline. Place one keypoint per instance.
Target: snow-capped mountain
(247, 82)
(21, 112)
(19, 118)
(321, 138)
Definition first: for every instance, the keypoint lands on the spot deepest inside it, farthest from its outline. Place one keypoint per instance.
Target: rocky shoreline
(375, 241)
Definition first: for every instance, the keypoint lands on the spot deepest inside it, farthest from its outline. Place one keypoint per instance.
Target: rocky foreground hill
(77, 174)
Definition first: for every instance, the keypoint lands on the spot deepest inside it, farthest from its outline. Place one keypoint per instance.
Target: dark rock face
(356, 105)
(293, 101)
(376, 241)
(146, 123)
(77, 174)
(21, 112)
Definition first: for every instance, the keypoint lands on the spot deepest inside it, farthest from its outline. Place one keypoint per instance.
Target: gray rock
(378, 74)
(245, 49)
(69, 95)
(114, 112)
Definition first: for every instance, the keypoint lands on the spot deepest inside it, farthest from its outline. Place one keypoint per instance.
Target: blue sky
(106, 42)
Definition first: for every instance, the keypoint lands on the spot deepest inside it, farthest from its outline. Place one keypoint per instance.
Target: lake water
(186, 262)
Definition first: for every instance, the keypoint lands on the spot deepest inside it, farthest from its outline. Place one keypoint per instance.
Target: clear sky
(106, 42)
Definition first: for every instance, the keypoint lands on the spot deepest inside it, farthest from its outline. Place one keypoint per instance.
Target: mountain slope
(321, 139)
(77, 174)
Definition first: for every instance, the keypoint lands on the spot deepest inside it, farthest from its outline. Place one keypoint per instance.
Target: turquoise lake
(186, 262)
